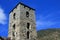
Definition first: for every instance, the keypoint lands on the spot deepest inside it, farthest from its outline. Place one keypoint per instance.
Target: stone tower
(22, 23)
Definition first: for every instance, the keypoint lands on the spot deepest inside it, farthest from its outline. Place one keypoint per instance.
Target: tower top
(21, 4)
(26, 5)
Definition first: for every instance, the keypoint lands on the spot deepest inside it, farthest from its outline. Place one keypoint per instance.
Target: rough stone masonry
(22, 23)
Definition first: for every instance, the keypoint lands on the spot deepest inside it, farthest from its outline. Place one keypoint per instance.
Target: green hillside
(49, 34)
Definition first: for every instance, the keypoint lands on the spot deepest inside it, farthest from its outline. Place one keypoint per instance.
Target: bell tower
(22, 23)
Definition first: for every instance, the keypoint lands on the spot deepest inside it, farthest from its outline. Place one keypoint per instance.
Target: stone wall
(20, 22)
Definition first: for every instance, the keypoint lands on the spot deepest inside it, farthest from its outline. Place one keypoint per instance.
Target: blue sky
(47, 13)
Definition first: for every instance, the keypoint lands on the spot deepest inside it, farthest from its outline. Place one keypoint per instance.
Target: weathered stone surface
(20, 22)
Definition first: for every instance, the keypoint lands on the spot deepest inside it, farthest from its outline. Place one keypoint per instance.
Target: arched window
(27, 14)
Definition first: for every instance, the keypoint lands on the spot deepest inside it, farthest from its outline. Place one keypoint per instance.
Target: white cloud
(45, 22)
(2, 16)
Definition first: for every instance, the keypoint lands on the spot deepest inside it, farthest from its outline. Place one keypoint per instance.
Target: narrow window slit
(14, 15)
(14, 26)
(28, 24)
(27, 34)
(27, 14)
